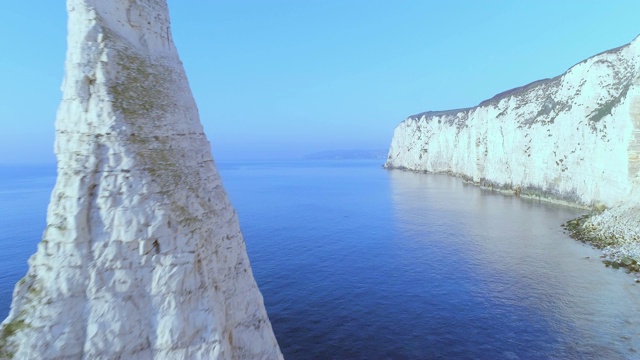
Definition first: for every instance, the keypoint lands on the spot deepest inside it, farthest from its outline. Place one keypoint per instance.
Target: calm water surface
(356, 262)
(24, 196)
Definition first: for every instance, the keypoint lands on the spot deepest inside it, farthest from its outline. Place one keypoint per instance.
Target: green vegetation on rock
(142, 98)
(9, 330)
(582, 230)
(144, 88)
(607, 108)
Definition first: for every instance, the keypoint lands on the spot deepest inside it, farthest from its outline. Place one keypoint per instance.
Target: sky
(281, 79)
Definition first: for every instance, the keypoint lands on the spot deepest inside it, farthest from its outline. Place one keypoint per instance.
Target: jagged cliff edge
(142, 256)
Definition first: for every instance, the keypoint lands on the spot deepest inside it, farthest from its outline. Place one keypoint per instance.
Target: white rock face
(142, 256)
(574, 138)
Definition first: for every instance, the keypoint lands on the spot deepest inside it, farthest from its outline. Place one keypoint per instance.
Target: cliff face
(574, 138)
(142, 255)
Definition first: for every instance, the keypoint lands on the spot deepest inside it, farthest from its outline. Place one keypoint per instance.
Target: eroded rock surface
(574, 137)
(142, 256)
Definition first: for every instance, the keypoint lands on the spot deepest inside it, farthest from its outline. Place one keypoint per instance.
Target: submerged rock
(627, 261)
(142, 256)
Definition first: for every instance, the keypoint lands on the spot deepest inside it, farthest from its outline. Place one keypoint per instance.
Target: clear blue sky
(278, 79)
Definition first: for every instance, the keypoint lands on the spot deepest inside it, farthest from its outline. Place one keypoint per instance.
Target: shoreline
(620, 247)
(526, 193)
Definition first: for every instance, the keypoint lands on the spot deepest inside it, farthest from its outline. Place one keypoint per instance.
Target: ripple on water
(357, 262)
(397, 265)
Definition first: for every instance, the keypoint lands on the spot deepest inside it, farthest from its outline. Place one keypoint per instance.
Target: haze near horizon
(284, 79)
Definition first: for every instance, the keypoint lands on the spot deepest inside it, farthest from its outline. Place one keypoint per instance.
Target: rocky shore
(615, 232)
(573, 139)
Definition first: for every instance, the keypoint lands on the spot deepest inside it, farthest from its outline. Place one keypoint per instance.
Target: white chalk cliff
(142, 256)
(575, 137)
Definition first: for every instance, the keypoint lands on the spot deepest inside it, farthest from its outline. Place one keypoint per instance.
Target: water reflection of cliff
(511, 252)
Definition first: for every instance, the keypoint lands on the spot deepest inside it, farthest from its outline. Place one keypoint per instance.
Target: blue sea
(357, 262)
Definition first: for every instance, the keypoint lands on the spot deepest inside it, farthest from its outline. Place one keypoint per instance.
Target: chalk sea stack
(574, 138)
(142, 256)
